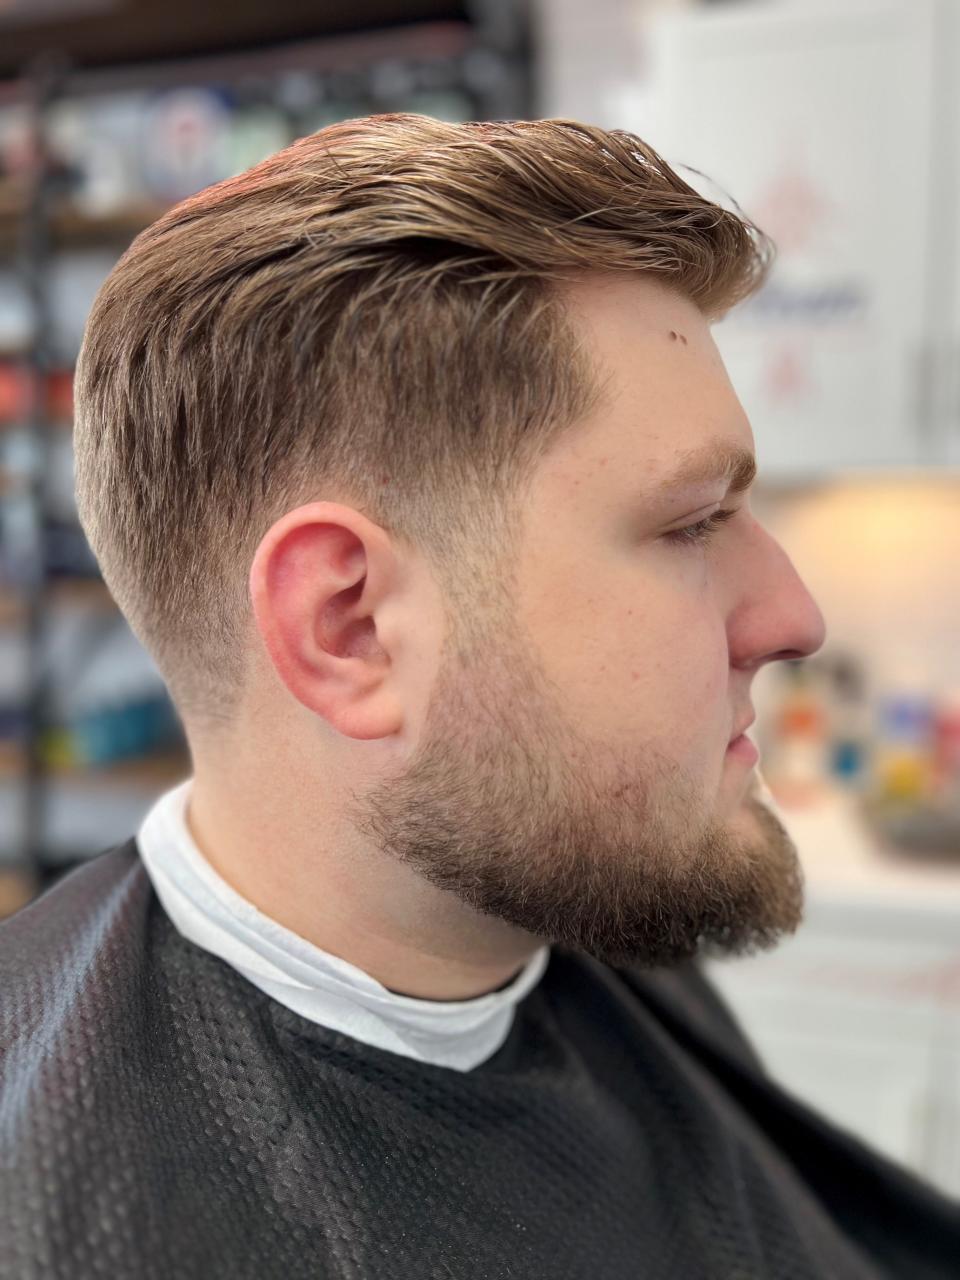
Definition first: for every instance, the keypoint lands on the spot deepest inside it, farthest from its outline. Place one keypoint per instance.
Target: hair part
(373, 315)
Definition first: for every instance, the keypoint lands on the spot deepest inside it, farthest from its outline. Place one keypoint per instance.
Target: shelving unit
(70, 228)
(481, 64)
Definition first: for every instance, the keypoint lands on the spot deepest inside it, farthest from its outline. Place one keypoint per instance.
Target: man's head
(376, 446)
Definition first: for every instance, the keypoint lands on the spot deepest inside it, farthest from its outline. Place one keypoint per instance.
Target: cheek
(675, 677)
(638, 659)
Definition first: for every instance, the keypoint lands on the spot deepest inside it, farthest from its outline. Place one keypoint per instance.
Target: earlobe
(308, 591)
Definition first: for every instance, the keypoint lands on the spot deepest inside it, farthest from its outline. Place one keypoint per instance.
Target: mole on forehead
(674, 336)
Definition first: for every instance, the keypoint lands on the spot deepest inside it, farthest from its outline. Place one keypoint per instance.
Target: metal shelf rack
(486, 61)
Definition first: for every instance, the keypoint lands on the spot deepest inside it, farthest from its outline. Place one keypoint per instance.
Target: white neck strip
(313, 983)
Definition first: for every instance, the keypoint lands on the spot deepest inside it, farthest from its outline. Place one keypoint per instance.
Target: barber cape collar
(311, 982)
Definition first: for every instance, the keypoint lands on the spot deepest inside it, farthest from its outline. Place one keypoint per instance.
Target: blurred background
(834, 125)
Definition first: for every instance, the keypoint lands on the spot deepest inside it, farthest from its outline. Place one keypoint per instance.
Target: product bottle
(903, 760)
(850, 721)
(798, 768)
(946, 751)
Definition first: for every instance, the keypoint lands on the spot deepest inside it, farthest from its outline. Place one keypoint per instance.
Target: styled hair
(374, 315)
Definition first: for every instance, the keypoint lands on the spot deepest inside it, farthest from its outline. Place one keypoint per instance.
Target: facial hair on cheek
(510, 808)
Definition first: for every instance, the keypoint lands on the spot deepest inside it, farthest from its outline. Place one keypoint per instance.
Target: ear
(317, 580)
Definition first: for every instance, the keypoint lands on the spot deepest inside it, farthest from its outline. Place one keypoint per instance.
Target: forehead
(668, 412)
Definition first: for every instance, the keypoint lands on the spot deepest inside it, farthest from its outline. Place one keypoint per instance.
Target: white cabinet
(858, 1014)
(946, 234)
(834, 127)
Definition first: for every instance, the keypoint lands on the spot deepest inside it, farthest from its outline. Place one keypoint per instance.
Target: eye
(700, 532)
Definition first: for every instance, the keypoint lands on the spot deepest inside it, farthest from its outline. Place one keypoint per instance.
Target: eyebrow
(716, 461)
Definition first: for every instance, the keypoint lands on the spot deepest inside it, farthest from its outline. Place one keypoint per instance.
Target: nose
(775, 617)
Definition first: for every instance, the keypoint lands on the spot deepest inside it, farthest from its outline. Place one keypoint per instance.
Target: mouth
(743, 750)
(743, 726)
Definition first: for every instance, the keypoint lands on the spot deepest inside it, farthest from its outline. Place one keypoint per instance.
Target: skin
(434, 819)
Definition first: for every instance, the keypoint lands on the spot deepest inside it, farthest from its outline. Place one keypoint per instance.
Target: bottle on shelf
(902, 775)
(946, 750)
(796, 765)
(850, 720)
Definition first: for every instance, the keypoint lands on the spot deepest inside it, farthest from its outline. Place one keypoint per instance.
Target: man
(410, 457)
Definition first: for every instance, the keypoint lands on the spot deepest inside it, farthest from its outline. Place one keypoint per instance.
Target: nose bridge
(780, 617)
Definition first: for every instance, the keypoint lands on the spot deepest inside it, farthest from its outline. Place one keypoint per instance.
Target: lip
(741, 748)
(742, 728)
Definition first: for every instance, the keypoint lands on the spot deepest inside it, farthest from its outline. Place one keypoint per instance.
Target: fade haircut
(374, 315)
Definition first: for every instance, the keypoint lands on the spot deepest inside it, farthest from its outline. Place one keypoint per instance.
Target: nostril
(788, 655)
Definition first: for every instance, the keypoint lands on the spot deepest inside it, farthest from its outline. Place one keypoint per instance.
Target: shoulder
(70, 944)
(685, 998)
(679, 996)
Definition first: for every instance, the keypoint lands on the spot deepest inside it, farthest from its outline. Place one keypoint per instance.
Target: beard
(509, 806)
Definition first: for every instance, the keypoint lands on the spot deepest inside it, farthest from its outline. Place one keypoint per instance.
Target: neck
(350, 901)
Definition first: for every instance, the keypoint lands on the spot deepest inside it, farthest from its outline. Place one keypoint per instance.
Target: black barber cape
(162, 1117)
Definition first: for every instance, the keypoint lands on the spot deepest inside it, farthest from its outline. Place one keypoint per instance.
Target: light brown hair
(373, 315)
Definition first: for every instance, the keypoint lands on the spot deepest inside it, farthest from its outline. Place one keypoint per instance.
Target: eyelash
(700, 532)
